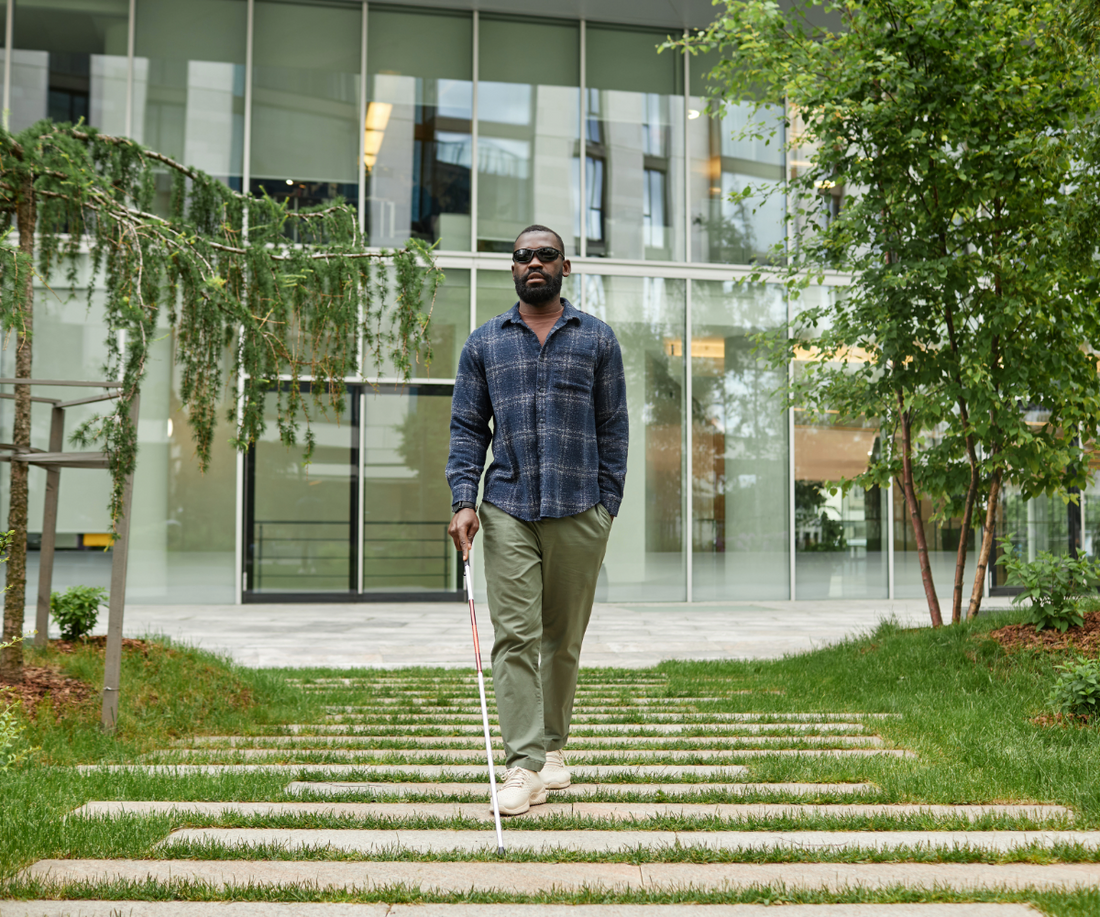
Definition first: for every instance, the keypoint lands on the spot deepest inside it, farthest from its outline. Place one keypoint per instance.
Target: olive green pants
(541, 578)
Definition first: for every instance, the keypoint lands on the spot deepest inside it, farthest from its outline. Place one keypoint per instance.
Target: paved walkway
(625, 635)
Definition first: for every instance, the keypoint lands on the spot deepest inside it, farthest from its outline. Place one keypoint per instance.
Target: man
(550, 378)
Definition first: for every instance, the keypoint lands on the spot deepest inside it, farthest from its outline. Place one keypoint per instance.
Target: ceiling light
(290, 181)
(693, 114)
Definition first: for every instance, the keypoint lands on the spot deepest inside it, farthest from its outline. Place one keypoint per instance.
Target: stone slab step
(716, 730)
(636, 718)
(583, 701)
(584, 773)
(591, 743)
(581, 790)
(537, 877)
(617, 811)
(756, 717)
(283, 909)
(383, 842)
(576, 759)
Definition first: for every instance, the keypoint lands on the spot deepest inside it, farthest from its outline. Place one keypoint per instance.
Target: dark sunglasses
(545, 255)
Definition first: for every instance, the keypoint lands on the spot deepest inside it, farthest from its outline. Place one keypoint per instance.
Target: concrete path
(281, 909)
(301, 787)
(438, 634)
(393, 842)
(623, 811)
(531, 878)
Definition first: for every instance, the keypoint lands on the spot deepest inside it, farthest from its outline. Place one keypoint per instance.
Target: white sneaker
(554, 773)
(521, 790)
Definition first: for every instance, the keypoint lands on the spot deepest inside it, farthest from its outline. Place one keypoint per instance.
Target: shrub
(1056, 584)
(76, 609)
(1077, 691)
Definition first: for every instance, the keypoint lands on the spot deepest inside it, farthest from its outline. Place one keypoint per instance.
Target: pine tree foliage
(945, 154)
(219, 269)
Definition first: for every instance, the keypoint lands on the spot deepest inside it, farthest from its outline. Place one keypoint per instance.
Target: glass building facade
(460, 128)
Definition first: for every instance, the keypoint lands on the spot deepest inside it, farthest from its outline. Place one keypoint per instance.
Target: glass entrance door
(366, 519)
(406, 500)
(300, 526)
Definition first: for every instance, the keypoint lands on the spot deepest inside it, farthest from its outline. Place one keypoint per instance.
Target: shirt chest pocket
(574, 376)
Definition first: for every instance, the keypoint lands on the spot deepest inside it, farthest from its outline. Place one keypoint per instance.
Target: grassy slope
(967, 710)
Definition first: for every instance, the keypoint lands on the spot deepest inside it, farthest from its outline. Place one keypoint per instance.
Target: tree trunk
(914, 514)
(987, 547)
(11, 661)
(964, 535)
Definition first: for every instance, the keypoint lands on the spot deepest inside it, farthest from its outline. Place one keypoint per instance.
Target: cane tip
(500, 851)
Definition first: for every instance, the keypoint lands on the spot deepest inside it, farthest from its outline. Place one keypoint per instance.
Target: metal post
(112, 664)
(474, 133)
(49, 530)
(9, 24)
(582, 240)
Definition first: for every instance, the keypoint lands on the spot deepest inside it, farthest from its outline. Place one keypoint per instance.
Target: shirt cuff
(610, 503)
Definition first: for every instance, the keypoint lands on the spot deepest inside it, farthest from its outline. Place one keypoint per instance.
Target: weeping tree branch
(218, 268)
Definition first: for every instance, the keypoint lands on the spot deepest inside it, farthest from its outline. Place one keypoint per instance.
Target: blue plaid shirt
(559, 417)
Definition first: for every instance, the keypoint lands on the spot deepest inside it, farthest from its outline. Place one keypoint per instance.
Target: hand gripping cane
(484, 710)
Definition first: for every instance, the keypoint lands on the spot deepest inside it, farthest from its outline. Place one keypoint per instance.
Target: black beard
(538, 295)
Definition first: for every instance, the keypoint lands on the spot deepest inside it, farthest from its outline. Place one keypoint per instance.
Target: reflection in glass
(634, 146)
(301, 527)
(406, 500)
(448, 330)
(1045, 523)
(721, 165)
(189, 80)
(305, 108)
(528, 132)
(418, 141)
(70, 62)
(645, 556)
(942, 538)
(741, 542)
(838, 537)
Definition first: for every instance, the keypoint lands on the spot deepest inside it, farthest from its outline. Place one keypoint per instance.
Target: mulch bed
(71, 646)
(40, 682)
(1084, 640)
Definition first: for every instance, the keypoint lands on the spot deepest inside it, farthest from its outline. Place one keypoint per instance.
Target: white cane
(484, 710)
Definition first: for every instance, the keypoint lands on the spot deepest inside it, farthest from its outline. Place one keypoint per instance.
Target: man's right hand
(462, 530)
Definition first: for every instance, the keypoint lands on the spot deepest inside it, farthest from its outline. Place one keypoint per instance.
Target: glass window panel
(305, 102)
(645, 556)
(1045, 523)
(418, 141)
(406, 500)
(721, 165)
(634, 146)
(448, 330)
(189, 80)
(740, 470)
(942, 539)
(302, 534)
(528, 132)
(70, 62)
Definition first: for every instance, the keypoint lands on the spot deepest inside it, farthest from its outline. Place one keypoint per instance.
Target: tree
(961, 136)
(219, 268)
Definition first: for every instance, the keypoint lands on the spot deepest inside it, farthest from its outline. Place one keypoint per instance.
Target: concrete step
(389, 842)
(589, 744)
(576, 759)
(716, 730)
(581, 790)
(582, 773)
(639, 717)
(283, 909)
(620, 811)
(759, 717)
(532, 878)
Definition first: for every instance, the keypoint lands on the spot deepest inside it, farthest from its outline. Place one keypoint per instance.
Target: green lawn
(966, 709)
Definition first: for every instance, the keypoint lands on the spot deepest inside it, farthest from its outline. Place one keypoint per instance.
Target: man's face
(539, 282)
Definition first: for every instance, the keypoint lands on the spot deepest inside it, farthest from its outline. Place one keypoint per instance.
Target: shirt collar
(568, 313)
